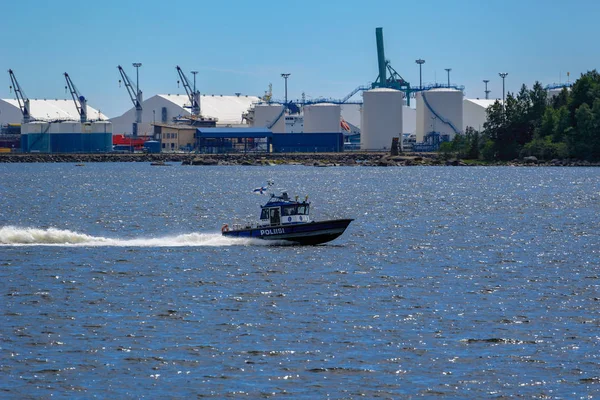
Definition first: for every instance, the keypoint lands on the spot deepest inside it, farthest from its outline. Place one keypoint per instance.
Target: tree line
(532, 124)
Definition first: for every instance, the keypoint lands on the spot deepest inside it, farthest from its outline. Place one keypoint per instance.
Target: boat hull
(305, 234)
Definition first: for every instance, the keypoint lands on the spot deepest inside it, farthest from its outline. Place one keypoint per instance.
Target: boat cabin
(281, 210)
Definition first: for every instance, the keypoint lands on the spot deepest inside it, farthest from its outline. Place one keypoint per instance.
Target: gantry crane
(394, 81)
(193, 94)
(80, 101)
(136, 98)
(21, 98)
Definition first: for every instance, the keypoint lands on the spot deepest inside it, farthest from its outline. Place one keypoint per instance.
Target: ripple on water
(451, 283)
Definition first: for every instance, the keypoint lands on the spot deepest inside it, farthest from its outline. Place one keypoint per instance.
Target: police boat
(284, 219)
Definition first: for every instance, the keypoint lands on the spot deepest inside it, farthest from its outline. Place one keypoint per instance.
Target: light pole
(487, 92)
(503, 75)
(448, 71)
(285, 77)
(420, 62)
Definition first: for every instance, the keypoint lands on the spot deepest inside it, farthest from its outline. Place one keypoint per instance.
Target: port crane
(21, 98)
(394, 81)
(80, 101)
(193, 94)
(136, 98)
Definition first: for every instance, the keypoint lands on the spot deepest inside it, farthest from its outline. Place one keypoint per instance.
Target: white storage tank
(555, 91)
(265, 114)
(409, 119)
(439, 110)
(102, 127)
(381, 118)
(66, 137)
(322, 118)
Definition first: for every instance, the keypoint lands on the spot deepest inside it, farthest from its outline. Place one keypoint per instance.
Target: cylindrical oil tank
(556, 91)
(102, 127)
(265, 114)
(381, 118)
(99, 138)
(322, 118)
(67, 137)
(439, 110)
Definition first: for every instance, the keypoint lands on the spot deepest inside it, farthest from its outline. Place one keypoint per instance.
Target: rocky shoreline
(310, 159)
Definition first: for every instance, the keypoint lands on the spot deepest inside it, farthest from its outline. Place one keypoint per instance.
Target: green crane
(394, 81)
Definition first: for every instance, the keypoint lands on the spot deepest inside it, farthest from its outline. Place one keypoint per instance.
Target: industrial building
(304, 127)
(166, 108)
(223, 140)
(45, 110)
(51, 126)
(55, 126)
(179, 137)
(185, 122)
(475, 112)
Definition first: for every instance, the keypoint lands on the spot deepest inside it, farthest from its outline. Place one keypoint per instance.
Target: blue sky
(328, 46)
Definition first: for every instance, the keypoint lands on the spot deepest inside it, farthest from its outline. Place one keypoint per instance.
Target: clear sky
(328, 46)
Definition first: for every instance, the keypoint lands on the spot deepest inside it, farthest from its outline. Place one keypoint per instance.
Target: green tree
(585, 90)
(580, 145)
(528, 123)
(488, 150)
(561, 99)
(446, 149)
(544, 149)
(548, 123)
(471, 143)
(539, 103)
(563, 124)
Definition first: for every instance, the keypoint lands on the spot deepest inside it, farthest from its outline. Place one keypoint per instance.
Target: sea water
(451, 283)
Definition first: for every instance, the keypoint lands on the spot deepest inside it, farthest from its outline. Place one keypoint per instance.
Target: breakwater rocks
(256, 159)
(379, 159)
(316, 159)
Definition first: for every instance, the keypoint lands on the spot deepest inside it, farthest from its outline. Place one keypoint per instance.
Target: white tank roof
(383, 90)
(443, 90)
(227, 109)
(48, 110)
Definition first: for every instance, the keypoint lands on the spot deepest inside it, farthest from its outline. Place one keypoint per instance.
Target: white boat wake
(17, 236)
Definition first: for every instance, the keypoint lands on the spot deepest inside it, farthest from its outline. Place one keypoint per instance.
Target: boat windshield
(286, 209)
(290, 210)
(302, 209)
(264, 214)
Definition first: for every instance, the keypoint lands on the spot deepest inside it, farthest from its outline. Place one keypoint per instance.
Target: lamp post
(487, 92)
(448, 71)
(420, 62)
(285, 77)
(503, 75)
